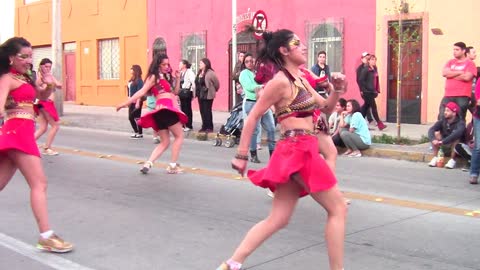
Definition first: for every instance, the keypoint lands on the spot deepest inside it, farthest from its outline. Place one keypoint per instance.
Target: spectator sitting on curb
(446, 133)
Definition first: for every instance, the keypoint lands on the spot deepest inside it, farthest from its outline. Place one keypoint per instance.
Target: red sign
(259, 23)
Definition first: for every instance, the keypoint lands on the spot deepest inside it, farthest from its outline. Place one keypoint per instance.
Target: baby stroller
(232, 129)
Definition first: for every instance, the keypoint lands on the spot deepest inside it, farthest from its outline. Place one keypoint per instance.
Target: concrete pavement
(106, 118)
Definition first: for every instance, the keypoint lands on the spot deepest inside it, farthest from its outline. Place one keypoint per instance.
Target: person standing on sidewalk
(295, 168)
(475, 163)
(187, 88)
(459, 73)
(321, 69)
(370, 88)
(206, 87)
(45, 107)
(18, 149)
(363, 65)
(166, 118)
(251, 89)
(135, 109)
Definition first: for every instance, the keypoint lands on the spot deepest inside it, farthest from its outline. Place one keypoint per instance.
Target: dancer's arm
(149, 83)
(4, 90)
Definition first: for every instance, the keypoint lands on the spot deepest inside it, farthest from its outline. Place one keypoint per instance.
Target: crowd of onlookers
(450, 136)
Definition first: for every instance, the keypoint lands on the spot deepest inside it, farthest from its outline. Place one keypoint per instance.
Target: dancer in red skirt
(167, 117)
(45, 107)
(295, 168)
(18, 149)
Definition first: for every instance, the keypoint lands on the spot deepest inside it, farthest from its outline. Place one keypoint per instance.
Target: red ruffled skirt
(18, 134)
(49, 107)
(149, 121)
(292, 155)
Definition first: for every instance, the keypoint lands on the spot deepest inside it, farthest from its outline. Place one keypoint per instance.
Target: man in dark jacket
(447, 133)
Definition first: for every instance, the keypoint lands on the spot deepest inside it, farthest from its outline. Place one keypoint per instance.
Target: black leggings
(206, 113)
(186, 106)
(369, 99)
(133, 115)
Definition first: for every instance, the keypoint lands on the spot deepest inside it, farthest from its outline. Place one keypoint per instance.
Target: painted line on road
(49, 259)
(350, 195)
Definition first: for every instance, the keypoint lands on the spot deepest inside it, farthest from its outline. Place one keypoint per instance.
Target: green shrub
(387, 139)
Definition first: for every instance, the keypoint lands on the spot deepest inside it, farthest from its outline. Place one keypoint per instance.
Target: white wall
(7, 19)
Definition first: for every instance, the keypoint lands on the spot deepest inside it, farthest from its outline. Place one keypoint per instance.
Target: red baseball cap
(453, 106)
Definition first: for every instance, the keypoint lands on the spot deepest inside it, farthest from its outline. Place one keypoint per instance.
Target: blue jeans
(267, 122)
(475, 163)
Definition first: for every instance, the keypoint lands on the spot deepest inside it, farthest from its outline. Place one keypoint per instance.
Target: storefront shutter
(39, 53)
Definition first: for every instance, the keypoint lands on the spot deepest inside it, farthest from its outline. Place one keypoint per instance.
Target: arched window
(327, 37)
(193, 49)
(159, 46)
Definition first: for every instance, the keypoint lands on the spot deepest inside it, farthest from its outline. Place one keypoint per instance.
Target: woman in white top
(187, 90)
(334, 120)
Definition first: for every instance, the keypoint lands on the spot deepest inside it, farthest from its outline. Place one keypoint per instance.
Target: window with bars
(193, 48)
(109, 59)
(326, 36)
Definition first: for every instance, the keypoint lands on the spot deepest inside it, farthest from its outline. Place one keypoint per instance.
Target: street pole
(399, 75)
(234, 48)
(57, 52)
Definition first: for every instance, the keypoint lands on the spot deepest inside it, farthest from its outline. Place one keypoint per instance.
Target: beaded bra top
(163, 86)
(302, 105)
(24, 94)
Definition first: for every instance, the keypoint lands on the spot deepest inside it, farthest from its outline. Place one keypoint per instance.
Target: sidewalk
(106, 118)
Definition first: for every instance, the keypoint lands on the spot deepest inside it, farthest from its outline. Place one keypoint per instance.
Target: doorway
(411, 71)
(70, 91)
(246, 42)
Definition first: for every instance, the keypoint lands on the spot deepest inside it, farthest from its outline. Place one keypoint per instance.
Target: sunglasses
(295, 42)
(24, 56)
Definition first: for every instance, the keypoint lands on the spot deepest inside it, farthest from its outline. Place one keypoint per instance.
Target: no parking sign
(259, 23)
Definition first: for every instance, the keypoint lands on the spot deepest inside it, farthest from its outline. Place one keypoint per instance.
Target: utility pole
(57, 48)
(234, 48)
(399, 70)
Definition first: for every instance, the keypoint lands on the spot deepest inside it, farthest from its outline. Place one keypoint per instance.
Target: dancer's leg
(164, 143)
(7, 170)
(32, 169)
(42, 124)
(177, 132)
(328, 150)
(284, 202)
(54, 127)
(333, 202)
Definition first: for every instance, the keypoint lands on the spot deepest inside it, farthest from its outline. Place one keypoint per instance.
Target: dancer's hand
(177, 74)
(239, 165)
(339, 82)
(120, 106)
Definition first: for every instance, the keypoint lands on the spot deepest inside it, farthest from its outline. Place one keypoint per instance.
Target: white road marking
(49, 259)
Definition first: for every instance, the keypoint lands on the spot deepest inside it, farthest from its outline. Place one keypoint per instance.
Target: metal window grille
(328, 36)
(109, 59)
(194, 48)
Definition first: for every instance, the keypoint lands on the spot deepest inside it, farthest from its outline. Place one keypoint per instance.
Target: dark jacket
(450, 131)
(358, 72)
(368, 80)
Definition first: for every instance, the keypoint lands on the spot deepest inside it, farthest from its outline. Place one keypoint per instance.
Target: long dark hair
(137, 74)
(186, 63)
(208, 66)
(269, 53)
(243, 66)
(153, 70)
(10, 48)
(355, 105)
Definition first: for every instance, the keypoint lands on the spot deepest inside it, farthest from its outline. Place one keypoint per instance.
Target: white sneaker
(433, 162)
(49, 152)
(270, 194)
(451, 164)
(156, 140)
(186, 129)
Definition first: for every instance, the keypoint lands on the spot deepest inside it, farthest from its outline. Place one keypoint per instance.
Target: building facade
(430, 28)
(102, 39)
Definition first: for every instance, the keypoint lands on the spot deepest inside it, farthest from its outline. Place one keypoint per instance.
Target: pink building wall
(170, 19)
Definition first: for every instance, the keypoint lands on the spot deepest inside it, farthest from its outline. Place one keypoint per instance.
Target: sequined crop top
(302, 105)
(23, 96)
(163, 86)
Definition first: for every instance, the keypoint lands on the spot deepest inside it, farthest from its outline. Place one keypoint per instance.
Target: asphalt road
(403, 215)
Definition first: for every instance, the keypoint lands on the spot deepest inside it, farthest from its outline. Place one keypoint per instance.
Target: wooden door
(411, 72)
(69, 84)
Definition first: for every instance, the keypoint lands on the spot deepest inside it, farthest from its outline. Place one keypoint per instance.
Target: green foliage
(387, 139)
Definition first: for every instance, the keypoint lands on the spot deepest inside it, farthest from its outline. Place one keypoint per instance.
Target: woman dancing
(45, 107)
(166, 118)
(18, 149)
(295, 168)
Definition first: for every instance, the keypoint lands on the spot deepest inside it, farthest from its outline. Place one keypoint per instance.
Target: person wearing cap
(321, 69)
(446, 133)
(459, 73)
(358, 72)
